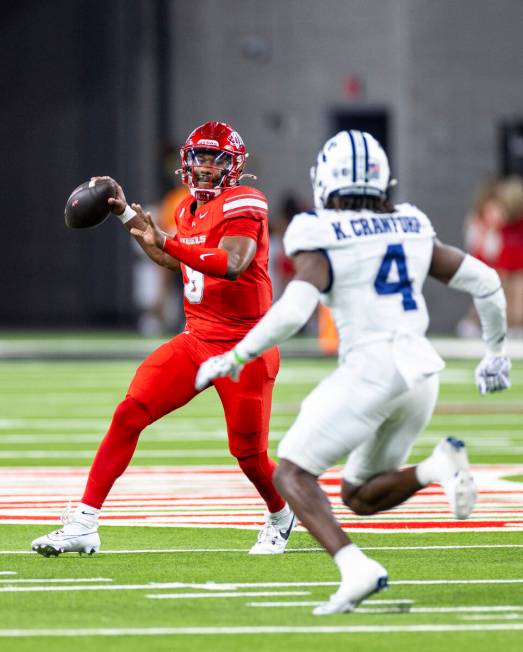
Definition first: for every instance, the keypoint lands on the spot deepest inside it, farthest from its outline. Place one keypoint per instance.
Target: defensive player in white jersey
(368, 260)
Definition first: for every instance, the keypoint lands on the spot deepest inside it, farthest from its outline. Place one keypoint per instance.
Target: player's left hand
(226, 364)
(150, 234)
(492, 374)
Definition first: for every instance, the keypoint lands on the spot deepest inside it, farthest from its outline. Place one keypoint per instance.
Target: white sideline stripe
(510, 616)
(240, 203)
(58, 581)
(8, 573)
(175, 433)
(303, 603)
(50, 454)
(169, 550)
(234, 631)
(221, 594)
(204, 550)
(367, 609)
(231, 585)
(306, 603)
(177, 452)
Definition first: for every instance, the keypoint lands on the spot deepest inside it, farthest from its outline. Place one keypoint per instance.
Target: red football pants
(165, 382)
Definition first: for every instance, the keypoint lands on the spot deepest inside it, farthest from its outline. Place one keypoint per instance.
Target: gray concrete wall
(447, 71)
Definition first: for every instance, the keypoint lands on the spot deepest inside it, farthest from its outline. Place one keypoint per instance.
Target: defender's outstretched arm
(285, 317)
(468, 274)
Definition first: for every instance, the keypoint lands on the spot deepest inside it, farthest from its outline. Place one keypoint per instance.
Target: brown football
(87, 206)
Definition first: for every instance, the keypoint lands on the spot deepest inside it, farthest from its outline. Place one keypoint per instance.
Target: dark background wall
(91, 87)
(80, 97)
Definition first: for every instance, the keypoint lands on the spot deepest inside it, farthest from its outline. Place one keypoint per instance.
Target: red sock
(259, 469)
(115, 451)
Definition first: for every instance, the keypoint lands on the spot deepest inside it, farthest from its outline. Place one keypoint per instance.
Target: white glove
(492, 374)
(226, 364)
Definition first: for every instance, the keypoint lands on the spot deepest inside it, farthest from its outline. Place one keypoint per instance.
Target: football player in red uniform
(221, 245)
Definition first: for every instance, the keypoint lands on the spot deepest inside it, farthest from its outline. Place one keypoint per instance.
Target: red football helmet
(213, 158)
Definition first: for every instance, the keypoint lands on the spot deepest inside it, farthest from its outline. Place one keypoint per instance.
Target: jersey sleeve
(306, 232)
(242, 226)
(245, 202)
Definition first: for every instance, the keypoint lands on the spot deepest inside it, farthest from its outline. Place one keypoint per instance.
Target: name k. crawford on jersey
(375, 225)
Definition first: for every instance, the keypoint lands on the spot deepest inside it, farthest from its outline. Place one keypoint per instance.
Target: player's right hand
(150, 234)
(118, 203)
(492, 374)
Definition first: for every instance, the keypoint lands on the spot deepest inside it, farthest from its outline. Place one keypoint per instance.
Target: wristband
(127, 215)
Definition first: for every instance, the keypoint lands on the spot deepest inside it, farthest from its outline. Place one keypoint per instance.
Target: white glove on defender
(492, 374)
(226, 364)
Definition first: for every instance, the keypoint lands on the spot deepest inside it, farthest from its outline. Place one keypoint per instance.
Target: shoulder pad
(244, 201)
(306, 232)
(412, 210)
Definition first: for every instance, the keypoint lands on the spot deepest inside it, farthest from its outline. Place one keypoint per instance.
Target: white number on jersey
(193, 289)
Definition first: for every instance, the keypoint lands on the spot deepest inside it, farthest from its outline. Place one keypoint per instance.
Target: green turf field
(464, 588)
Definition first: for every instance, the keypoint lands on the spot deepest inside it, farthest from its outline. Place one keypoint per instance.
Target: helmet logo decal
(234, 139)
(209, 142)
(374, 171)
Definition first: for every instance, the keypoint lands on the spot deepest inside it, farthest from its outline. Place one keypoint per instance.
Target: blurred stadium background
(114, 87)
(94, 87)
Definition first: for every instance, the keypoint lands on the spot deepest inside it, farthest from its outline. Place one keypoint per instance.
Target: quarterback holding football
(221, 247)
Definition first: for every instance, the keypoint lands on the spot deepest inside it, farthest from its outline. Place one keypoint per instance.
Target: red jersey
(217, 308)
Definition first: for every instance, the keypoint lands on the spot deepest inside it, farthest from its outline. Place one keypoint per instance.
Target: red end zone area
(222, 497)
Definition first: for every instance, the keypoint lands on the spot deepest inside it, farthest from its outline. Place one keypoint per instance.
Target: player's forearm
(134, 220)
(290, 313)
(209, 261)
(483, 283)
(159, 257)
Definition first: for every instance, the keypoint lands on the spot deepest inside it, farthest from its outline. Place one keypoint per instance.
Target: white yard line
(232, 585)
(58, 581)
(370, 609)
(306, 603)
(303, 603)
(235, 631)
(221, 594)
(88, 454)
(470, 419)
(510, 616)
(175, 433)
(168, 550)
(205, 550)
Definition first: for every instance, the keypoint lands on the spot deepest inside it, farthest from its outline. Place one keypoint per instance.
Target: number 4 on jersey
(403, 285)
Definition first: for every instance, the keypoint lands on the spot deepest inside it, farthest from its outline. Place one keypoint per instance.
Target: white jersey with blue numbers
(379, 262)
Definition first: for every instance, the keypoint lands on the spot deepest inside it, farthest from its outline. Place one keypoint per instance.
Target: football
(87, 205)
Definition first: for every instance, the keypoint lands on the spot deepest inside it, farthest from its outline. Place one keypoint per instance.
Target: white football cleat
(366, 577)
(273, 538)
(75, 536)
(456, 479)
